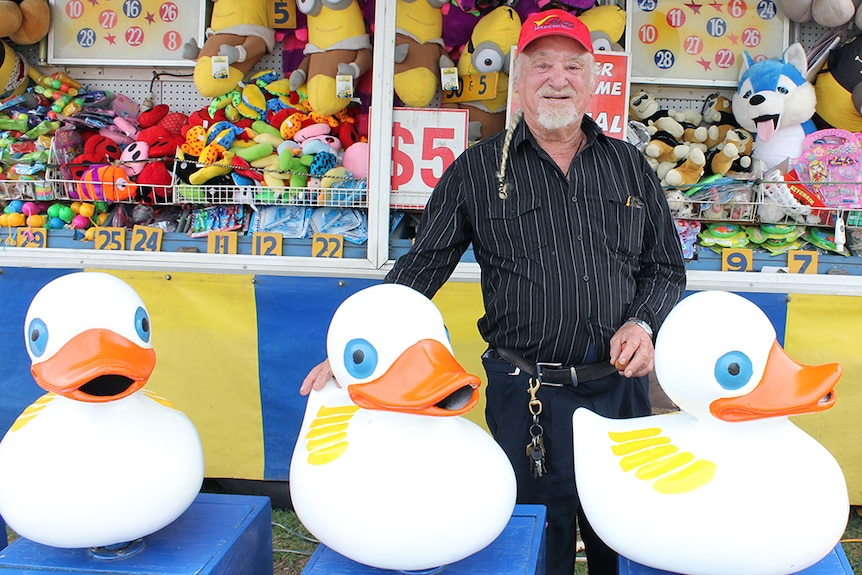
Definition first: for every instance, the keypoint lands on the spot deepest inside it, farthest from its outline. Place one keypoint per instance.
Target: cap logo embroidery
(552, 21)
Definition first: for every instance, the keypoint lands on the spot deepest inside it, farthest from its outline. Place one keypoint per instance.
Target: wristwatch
(642, 323)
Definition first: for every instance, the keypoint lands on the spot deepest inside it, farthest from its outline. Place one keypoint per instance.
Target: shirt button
(580, 238)
(575, 199)
(586, 278)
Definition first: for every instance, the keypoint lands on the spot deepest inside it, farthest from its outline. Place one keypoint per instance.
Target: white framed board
(124, 32)
(701, 42)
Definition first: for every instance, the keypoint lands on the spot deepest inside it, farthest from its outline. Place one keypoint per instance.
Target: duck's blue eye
(733, 370)
(37, 337)
(142, 324)
(360, 358)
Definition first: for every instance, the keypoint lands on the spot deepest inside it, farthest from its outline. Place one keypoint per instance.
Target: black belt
(555, 373)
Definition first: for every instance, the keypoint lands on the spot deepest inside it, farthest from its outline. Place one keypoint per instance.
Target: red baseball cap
(554, 23)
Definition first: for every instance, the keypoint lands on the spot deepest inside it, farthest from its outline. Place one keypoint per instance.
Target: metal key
(536, 453)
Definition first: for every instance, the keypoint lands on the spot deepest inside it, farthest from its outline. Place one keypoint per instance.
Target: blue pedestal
(520, 549)
(217, 535)
(833, 564)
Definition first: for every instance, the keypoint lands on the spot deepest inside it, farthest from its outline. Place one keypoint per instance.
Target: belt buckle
(540, 365)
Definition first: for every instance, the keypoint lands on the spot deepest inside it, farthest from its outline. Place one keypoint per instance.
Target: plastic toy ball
(705, 490)
(29, 209)
(37, 220)
(66, 214)
(54, 210)
(55, 223)
(86, 210)
(98, 461)
(447, 489)
(13, 207)
(80, 222)
(15, 219)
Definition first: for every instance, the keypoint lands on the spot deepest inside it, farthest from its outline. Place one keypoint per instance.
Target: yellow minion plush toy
(338, 45)
(419, 51)
(488, 52)
(240, 34)
(13, 72)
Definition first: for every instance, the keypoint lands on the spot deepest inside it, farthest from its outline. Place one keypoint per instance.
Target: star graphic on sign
(716, 5)
(151, 18)
(734, 39)
(707, 65)
(94, 2)
(111, 39)
(694, 7)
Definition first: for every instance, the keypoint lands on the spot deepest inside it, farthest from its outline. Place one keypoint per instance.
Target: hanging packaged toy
(830, 161)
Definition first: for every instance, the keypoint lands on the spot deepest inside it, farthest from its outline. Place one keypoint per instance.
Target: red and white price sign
(424, 142)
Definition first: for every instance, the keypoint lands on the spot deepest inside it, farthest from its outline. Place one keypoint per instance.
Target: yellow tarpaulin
(205, 337)
(824, 329)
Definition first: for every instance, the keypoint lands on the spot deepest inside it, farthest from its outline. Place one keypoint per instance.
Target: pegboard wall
(174, 86)
(171, 86)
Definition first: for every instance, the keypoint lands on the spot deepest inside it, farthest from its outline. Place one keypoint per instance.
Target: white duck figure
(729, 484)
(382, 473)
(97, 461)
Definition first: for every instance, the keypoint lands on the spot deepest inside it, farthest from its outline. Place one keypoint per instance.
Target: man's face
(554, 82)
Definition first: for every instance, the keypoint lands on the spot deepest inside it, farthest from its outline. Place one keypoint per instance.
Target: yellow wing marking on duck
(158, 399)
(32, 411)
(652, 457)
(326, 439)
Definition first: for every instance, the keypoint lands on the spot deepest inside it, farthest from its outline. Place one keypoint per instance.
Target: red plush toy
(97, 150)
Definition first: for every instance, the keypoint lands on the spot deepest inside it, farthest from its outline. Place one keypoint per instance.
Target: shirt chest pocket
(516, 227)
(625, 226)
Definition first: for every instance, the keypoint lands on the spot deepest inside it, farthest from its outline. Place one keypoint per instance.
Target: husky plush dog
(775, 102)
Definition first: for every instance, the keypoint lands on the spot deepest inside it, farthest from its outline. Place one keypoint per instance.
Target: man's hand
(316, 378)
(632, 351)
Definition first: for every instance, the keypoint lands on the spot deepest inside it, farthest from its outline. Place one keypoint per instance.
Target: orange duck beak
(787, 388)
(96, 366)
(424, 380)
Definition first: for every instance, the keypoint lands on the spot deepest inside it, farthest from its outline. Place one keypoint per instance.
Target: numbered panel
(130, 32)
(701, 43)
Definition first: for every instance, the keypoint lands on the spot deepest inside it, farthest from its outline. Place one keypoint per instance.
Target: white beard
(556, 116)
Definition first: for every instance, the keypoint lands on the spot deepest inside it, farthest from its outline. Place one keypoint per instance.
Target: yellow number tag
(109, 238)
(266, 244)
(222, 242)
(802, 261)
(736, 260)
(35, 238)
(327, 246)
(147, 239)
(282, 14)
(474, 87)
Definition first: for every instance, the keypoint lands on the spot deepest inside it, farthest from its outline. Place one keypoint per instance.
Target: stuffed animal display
(24, 22)
(238, 36)
(838, 87)
(337, 54)
(826, 13)
(488, 52)
(775, 102)
(419, 52)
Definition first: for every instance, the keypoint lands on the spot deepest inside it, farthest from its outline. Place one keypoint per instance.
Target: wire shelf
(275, 196)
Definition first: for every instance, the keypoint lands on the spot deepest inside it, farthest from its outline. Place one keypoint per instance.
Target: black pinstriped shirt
(564, 262)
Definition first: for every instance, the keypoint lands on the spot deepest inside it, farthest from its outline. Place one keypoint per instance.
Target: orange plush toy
(239, 32)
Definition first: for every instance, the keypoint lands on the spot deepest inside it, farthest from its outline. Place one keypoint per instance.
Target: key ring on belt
(536, 446)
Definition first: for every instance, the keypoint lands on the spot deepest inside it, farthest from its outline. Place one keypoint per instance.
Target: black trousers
(509, 421)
